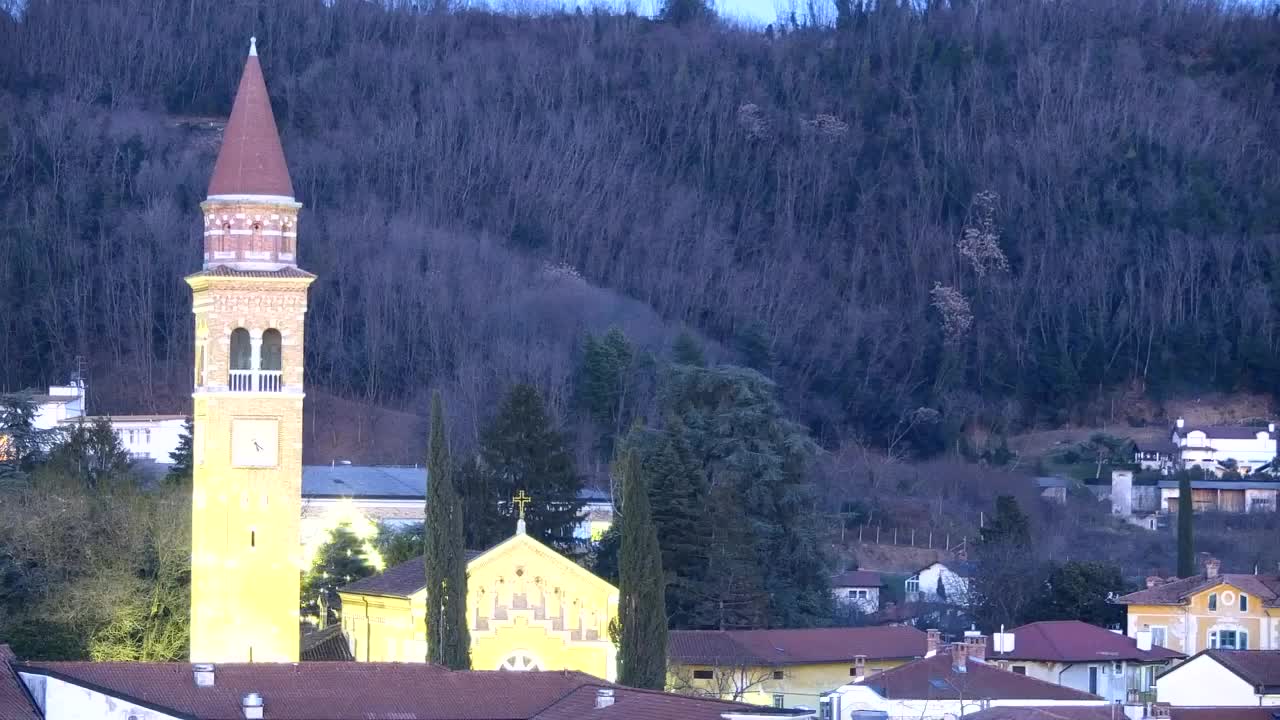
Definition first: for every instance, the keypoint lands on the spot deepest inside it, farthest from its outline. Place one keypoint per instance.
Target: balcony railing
(256, 381)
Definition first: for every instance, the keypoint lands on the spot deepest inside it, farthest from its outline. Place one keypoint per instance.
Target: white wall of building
(150, 438)
(957, 587)
(59, 700)
(853, 697)
(865, 599)
(1203, 681)
(64, 403)
(1250, 453)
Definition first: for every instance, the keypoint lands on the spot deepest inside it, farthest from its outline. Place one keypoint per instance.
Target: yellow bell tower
(249, 303)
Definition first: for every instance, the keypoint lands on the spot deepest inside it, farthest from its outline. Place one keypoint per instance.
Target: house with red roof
(1085, 657)
(1238, 678)
(859, 589)
(953, 683)
(335, 691)
(786, 668)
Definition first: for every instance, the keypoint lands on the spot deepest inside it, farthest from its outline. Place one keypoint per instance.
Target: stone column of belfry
(249, 300)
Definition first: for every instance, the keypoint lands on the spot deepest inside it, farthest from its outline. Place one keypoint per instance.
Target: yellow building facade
(529, 608)
(249, 302)
(786, 668)
(1207, 611)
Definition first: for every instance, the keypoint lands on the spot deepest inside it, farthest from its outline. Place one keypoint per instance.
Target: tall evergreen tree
(1186, 527)
(180, 471)
(686, 350)
(448, 638)
(678, 495)
(1009, 524)
(642, 643)
(522, 450)
(752, 455)
(92, 452)
(21, 444)
(732, 595)
(339, 562)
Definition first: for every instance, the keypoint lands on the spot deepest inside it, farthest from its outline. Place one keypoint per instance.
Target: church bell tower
(249, 302)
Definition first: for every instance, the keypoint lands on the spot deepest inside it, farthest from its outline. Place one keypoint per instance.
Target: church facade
(249, 302)
(528, 608)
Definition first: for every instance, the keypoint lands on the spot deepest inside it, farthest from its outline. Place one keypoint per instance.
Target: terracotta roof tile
(251, 161)
(1053, 712)
(326, 690)
(1260, 668)
(14, 702)
(794, 647)
(631, 704)
(328, 645)
(1072, 641)
(1175, 592)
(400, 580)
(857, 578)
(936, 678)
(1224, 713)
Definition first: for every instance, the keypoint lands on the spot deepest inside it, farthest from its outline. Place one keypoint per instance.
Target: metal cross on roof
(521, 499)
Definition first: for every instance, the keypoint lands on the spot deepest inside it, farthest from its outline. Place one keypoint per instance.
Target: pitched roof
(793, 647)
(1224, 713)
(1226, 432)
(251, 161)
(1050, 712)
(324, 690)
(220, 271)
(857, 578)
(632, 704)
(400, 580)
(1072, 641)
(385, 481)
(14, 702)
(327, 645)
(1176, 592)
(936, 678)
(1259, 668)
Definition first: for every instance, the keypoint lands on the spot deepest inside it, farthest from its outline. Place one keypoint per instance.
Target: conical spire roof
(251, 161)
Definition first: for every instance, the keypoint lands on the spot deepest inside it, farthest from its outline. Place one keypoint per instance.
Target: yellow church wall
(1187, 626)
(524, 599)
(799, 684)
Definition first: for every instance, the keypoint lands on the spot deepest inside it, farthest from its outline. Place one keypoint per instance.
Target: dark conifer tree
(642, 616)
(339, 562)
(678, 494)
(522, 450)
(180, 471)
(686, 350)
(1186, 527)
(448, 639)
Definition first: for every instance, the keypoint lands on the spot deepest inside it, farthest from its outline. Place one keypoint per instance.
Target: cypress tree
(642, 614)
(1186, 538)
(448, 638)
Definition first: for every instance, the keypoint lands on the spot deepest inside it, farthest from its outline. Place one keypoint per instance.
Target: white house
(954, 683)
(1236, 678)
(858, 589)
(1085, 657)
(62, 402)
(940, 583)
(1219, 447)
(151, 438)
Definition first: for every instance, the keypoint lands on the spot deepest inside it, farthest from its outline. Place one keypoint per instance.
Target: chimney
(604, 697)
(859, 667)
(975, 645)
(933, 639)
(1154, 580)
(203, 673)
(252, 706)
(959, 657)
(1211, 566)
(1180, 423)
(1144, 639)
(1271, 428)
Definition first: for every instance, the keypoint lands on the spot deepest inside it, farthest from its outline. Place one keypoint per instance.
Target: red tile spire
(251, 161)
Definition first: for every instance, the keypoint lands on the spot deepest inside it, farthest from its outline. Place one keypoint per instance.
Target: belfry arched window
(241, 350)
(271, 357)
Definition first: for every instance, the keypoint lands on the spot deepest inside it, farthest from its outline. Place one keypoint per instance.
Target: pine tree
(732, 596)
(180, 471)
(92, 452)
(521, 450)
(1009, 524)
(1186, 528)
(642, 616)
(678, 495)
(339, 562)
(686, 351)
(448, 638)
(21, 444)
(603, 380)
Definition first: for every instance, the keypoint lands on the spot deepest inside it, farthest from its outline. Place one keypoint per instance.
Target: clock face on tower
(255, 442)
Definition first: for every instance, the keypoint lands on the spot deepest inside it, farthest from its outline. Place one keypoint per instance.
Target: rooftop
(1050, 712)
(1259, 668)
(1176, 592)
(384, 482)
(379, 691)
(857, 578)
(771, 648)
(1225, 432)
(251, 161)
(14, 703)
(400, 580)
(1072, 641)
(937, 678)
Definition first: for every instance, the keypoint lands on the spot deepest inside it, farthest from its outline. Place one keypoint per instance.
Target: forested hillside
(985, 213)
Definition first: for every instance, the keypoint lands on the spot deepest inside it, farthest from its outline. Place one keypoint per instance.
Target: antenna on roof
(253, 47)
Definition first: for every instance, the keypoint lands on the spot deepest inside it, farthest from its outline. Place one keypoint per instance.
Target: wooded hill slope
(987, 212)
